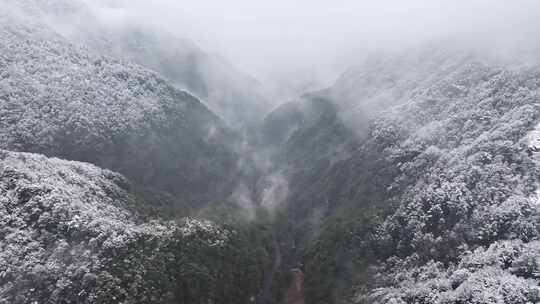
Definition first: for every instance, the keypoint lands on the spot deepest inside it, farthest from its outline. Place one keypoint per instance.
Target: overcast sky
(278, 39)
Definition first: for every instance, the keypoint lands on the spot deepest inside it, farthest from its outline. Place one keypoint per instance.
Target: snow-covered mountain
(237, 98)
(61, 100)
(71, 232)
(425, 164)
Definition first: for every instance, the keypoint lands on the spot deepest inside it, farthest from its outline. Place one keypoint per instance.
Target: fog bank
(301, 45)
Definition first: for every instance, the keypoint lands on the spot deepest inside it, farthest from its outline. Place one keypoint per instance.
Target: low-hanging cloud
(309, 42)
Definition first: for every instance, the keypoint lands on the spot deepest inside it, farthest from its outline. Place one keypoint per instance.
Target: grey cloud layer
(282, 41)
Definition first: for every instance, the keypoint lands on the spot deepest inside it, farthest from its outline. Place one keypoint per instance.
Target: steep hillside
(236, 97)
(308, 137)
(466, 180)
(60, 100)
(440, 168)
(71, 233)
(389, 79)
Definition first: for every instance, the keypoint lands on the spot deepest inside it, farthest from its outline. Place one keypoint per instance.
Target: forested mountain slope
(61, 100)
(70, 233)
(389, 79)
(74, 233)
(440, 170)
(309, 138)
(466, 179)
(236, 97)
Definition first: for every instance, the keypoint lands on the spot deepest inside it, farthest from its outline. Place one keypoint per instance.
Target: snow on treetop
(192, 226)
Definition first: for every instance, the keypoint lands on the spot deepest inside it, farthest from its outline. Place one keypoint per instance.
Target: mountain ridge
(63, 101)
(239, 99)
